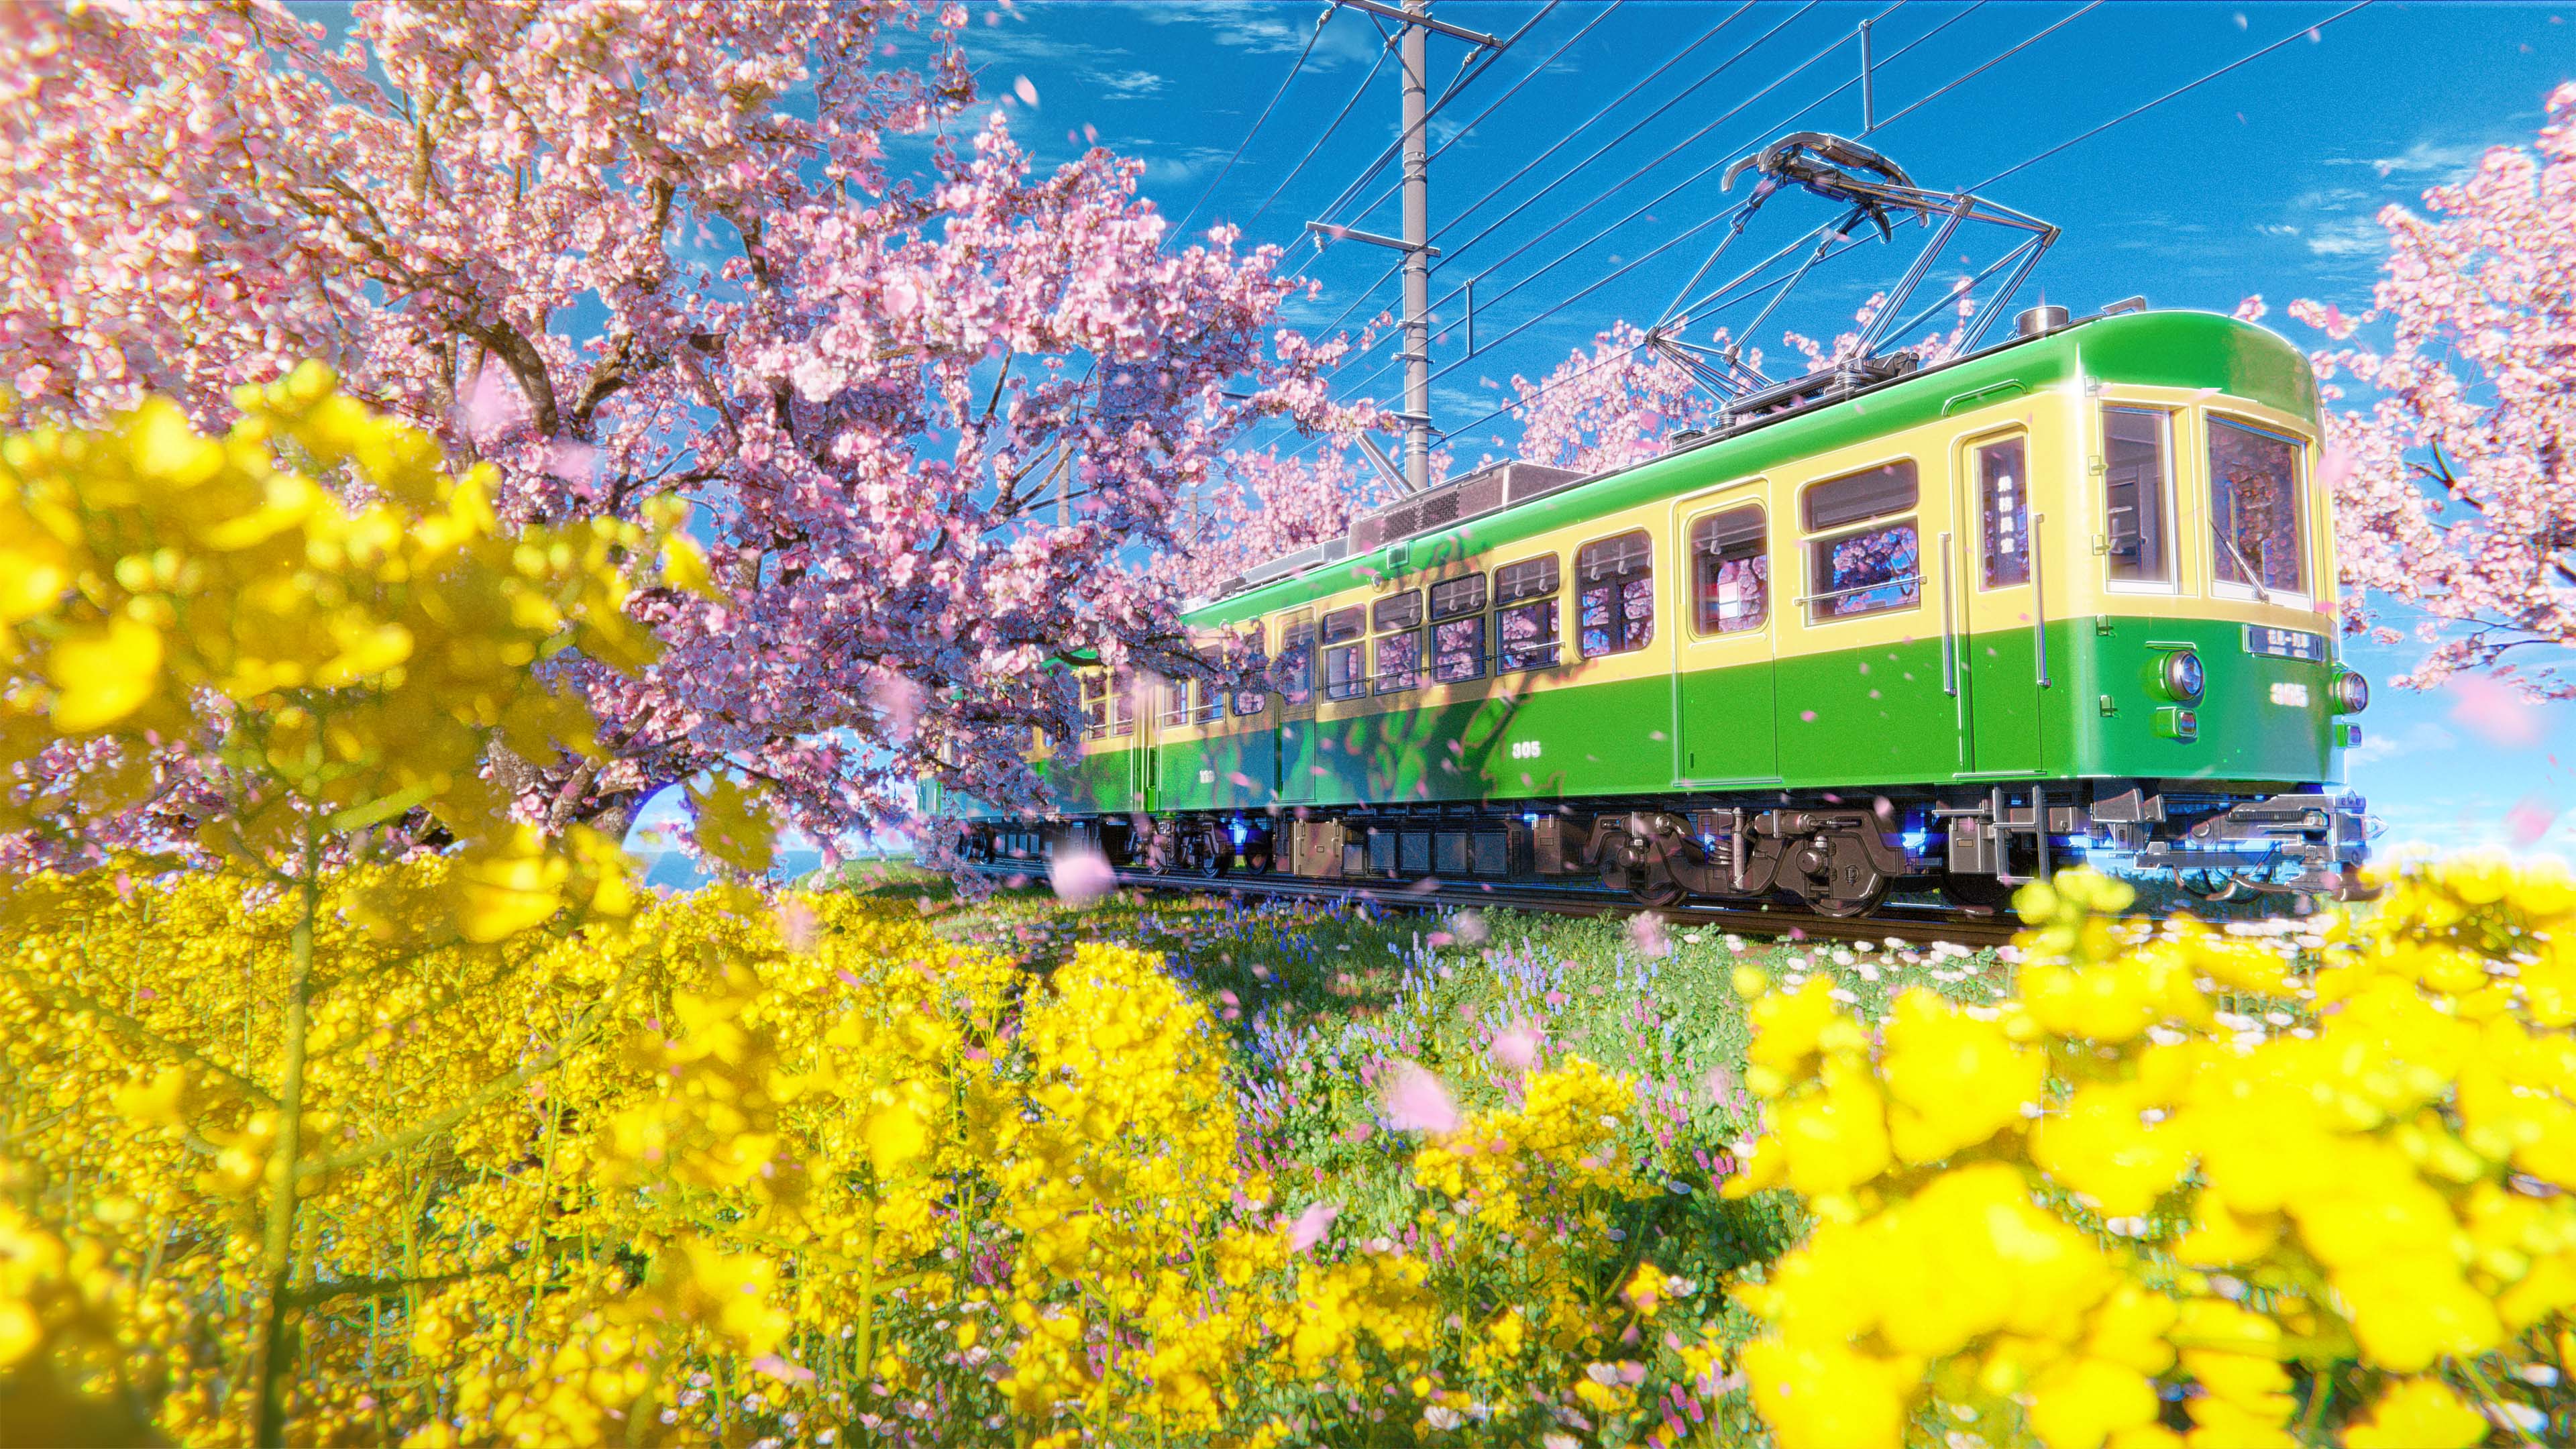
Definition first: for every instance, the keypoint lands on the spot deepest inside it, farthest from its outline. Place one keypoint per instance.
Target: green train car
(1884, 628)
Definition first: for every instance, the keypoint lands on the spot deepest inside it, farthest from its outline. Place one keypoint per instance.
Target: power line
(1358, 91)
(1464, 132)
(1290, 79)
(2169, 95)
(1657, 200)
(2130, 114)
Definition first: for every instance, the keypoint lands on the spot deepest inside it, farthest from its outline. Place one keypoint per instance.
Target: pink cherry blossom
(2458, 501)
(1308, 1227)
(1080, 876)
(2494, 712)
(927, 411)
(1517, 1046)
(1415, 1100)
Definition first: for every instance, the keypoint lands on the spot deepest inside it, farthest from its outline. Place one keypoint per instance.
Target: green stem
(277, 1240)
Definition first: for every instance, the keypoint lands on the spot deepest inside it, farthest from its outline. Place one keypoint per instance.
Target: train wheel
(1977, 892)
(1216, 857)
(1861, 904)
(1633, 869)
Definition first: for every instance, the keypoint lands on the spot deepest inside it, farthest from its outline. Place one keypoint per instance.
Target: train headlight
(2181, 677)
(2351, 693)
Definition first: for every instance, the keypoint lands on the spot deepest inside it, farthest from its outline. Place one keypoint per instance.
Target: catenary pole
(1417, 255)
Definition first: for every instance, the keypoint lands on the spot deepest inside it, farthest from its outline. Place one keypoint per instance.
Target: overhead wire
(1276, 96)
(1467, 75)
(1358, 91)
(2022, 165)
(1657, 200)
(1464, 132)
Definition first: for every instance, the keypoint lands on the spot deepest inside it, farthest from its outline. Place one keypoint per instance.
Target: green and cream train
(1885, 627)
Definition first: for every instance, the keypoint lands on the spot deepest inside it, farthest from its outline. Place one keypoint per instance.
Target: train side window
(1399, 641)
(1868, 570)
(1458, 630)
(1252, 701)
(1343, 676)
(2003, 482)
(1526, 621)
(1211, 702)
(1731, 567)
(1175, 708)
(1095, 706)
(1615, 594)
(1122, 706)
(1295, 670)
(2136, 495)
(2255, 511)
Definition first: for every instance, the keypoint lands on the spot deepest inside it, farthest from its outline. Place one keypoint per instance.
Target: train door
(1131, 734)
(1990, 585)
(1726, 720)
(1294, 758)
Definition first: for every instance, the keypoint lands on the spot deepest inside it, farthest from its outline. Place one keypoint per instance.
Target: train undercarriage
(1836, 853)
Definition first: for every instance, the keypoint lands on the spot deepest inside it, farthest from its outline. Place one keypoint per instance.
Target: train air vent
(1437, 509)
(1525, 481)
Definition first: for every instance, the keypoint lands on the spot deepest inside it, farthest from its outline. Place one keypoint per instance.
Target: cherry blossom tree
(1265, 507)
(773, 258)
(2456, 485)
(1618, 403)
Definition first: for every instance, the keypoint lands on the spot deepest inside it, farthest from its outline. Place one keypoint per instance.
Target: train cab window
(1095, 706)
(2136, 490)
(1344, 677)
(1211, 702)
(2255, 513)
(1526, 620)
(1458, 629)
(1399, 641)
(2003, 483)
(1731, 571)
(1294, 672)
(1871, 569)
(1614, 582)
(1252, 701)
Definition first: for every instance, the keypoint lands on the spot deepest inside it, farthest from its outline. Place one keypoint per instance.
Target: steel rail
(1900, 921)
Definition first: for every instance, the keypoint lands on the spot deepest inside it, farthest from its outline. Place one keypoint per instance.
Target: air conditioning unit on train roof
(1487, 490)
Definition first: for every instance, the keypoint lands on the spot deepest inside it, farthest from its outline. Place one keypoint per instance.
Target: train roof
(1516, 500)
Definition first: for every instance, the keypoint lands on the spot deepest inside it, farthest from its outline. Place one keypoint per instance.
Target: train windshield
(2255, 512)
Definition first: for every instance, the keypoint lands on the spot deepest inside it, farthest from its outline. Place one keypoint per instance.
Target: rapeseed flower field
(364, 1114)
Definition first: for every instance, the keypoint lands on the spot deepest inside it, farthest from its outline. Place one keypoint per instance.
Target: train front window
(1614, 581)
(1458, 630)
(1872, 570)
(1295, 671)
(1399, 641)
(2136, 489)
(1344, 675)
(2255, 518)
(2003, 481)
(1526, 622)
(1731, 571)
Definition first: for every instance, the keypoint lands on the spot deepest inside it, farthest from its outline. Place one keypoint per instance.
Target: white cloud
(2422, 738)
(2347, 236)
(2442, 160)
(1127, 85)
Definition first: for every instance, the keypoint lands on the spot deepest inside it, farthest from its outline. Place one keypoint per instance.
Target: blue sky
(2263, 181)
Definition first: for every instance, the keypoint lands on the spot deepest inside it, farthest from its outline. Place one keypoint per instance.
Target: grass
(1319, 999)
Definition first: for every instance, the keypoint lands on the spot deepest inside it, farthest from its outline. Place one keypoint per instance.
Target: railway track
(1902, 921)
